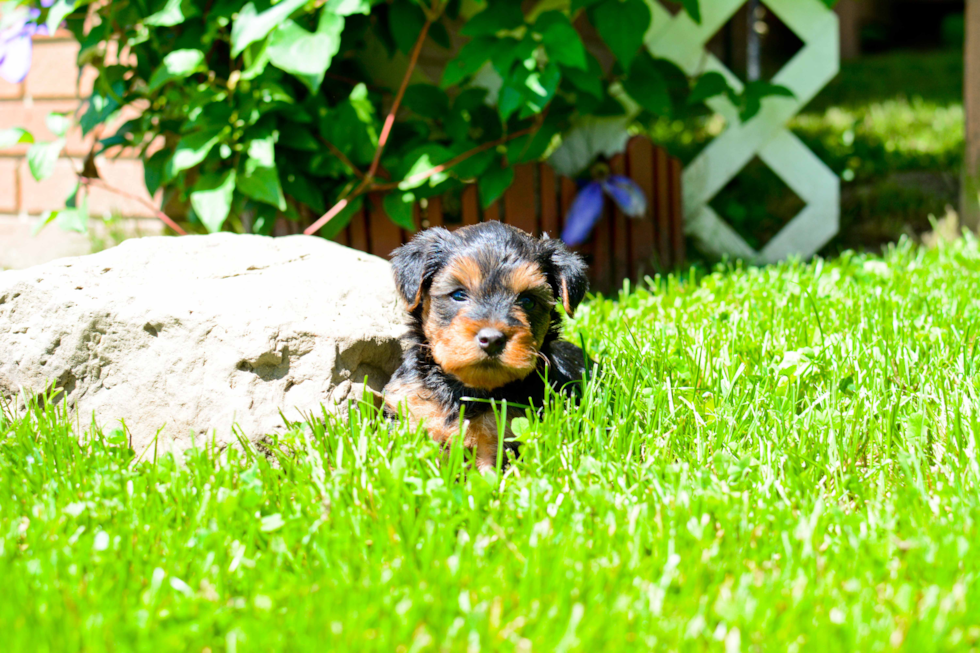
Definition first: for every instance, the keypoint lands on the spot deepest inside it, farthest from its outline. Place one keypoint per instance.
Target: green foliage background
(266, 110)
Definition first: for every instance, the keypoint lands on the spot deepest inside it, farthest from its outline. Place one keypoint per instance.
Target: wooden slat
(568, 192)
(359, 232)
(343, 237)
(519, 202)
(662, 204)
(471, 205)
(550, 218)
(642, 231)
(385, 235)
(677, 213)
(416, 220)
(619, 235)
(434, 212)
(492, 212)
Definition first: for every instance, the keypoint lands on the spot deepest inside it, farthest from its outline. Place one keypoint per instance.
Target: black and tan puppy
(483, 325)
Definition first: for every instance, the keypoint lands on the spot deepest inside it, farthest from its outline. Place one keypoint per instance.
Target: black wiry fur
(417, 263)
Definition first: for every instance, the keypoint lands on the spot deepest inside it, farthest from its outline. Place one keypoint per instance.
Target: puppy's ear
(415, 263)
(570, 280)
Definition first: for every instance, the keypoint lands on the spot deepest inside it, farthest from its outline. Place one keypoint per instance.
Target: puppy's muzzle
(491, 341)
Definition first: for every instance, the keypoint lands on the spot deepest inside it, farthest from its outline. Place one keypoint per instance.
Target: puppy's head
(485, 298)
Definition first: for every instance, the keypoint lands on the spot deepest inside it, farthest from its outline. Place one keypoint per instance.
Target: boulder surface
(196, 334)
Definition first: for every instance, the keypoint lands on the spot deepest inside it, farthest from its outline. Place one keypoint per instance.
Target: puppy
(484, 325)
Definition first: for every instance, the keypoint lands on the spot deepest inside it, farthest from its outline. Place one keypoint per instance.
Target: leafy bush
(252, 110)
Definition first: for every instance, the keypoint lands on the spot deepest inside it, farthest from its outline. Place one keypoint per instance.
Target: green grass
(781, 458)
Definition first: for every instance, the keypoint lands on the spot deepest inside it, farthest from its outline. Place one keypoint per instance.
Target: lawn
(780, 458)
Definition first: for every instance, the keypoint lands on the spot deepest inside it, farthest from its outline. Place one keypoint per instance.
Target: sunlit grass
(779, 458)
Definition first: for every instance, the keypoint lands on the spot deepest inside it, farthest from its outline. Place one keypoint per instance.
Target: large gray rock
(199, 333)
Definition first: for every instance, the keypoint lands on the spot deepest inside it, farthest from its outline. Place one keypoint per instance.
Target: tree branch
(422, 176)
(368, 179)
(160, 215)
(390, 119)
(340, 155)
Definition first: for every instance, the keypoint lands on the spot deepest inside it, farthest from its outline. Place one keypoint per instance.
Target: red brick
(32, 118)
(49, 194)
(54, 73)
(126, 175)
(10, 91)
(8, 185)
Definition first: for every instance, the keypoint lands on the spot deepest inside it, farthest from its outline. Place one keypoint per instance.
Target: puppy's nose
(492, 341)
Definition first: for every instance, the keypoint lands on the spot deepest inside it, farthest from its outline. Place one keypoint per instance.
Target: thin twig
(160, 215)
(368, 179)
(422, 176)
(390, 120)
(340, 155)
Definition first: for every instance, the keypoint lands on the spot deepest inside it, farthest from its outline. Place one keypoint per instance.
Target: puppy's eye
(458, 295)
(525, 302)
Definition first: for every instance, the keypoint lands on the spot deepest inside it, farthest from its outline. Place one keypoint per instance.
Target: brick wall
(54, 84)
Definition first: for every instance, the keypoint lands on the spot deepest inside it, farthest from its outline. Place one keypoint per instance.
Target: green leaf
(58, 123)
(475, 165)
(562, 43)
(211, 199)
(101, 107)
(264, 220)
(154, 169)
(307, 55)
(427, 100)
(177, 65)
(14, 136)
(75, 217)
(405, 21)
(532, 147)
(260, 178)
(499, 15)
(622, 26)
(57, 13)
(298, 187)
(251, 26)
(693, 9)
(494, 182)
(646, 85)
(298, 137)
(754, 93)
(173, 12)
(583, 4)
(348, 7)
(708, 86)
(470, 59)
(398, 205)
(192, 149)
(588, 81)
(421, 160)
(41, 158)
(46, 218)
(528, 91)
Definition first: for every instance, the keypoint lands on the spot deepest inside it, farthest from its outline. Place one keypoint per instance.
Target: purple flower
(15, 44)
(587, 207)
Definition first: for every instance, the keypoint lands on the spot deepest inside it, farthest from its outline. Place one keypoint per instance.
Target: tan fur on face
(454, 347)
(526, 277)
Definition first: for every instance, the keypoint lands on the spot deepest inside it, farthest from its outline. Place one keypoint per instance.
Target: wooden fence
(537, 202)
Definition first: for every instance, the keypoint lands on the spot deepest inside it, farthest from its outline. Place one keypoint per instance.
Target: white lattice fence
(682, 41)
